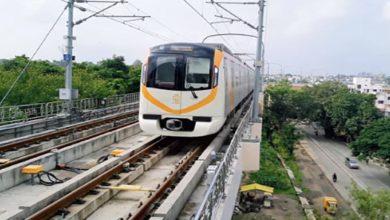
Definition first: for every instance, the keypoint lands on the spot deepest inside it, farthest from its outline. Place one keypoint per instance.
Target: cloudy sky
(301, 36)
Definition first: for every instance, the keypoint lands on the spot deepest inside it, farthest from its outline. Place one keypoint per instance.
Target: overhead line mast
(259, 62)
(68, 93)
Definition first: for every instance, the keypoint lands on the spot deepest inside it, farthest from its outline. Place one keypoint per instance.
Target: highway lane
(330, 156)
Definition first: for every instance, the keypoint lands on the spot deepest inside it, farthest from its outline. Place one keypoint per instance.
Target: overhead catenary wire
(155, 20)
(150, 33)
(208, 22)
(226, 26)
(123, 22)
(33, 55)
(234, 15)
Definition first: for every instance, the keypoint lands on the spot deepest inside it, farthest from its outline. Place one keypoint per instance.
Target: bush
(271, 172)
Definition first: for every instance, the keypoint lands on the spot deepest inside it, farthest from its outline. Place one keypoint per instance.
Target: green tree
(304, 104)
(322, 95)
(116, 72)
(41, 81)
(374, 141)
(15, 64)
(135, 77)
(371, 205)
(340, 111)
(95, 88)
(283, 104)
(350, 112)
(279, 104)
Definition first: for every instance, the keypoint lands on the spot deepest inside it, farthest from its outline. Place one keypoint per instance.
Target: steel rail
(167, 183)
(62, 132)
(64, 202)
(61, 146)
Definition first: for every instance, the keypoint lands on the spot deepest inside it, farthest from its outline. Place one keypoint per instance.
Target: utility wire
(150, 33)
(211, 25)
(32, 57)
(234, 15)
(156, 20)
(218, 11)
(226, 26)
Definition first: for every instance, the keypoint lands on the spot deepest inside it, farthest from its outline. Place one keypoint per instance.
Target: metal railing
(216, 190)
(13, 114)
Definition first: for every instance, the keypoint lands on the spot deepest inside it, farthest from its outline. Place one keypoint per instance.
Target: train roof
(219, 46)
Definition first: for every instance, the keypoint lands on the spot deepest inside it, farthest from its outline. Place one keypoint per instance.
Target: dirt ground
(316, 185)
(284, 208)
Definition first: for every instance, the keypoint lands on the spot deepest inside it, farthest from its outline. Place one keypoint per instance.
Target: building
(383, 101)
(365, 85)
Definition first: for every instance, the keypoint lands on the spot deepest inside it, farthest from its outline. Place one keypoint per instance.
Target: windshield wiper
(193, 92)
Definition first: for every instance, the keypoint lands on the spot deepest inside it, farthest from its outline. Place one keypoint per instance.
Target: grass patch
(291, 162)
(271, 172)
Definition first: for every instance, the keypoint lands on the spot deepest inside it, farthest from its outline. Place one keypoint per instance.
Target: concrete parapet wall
(28, 128)
(214, 146)
(250, 153)
(47, 144)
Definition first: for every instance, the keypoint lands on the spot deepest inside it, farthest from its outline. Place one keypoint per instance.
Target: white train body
(189, 90)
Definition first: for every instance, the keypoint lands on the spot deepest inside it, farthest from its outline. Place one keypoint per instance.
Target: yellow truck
(329, 204)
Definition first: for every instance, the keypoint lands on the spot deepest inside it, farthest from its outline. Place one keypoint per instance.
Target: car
(351, 163)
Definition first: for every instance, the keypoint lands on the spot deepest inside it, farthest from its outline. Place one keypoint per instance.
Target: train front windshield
(179, 72)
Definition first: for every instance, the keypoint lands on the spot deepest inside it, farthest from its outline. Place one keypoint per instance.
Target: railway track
(26, 142)
(38, 125)
(99, 191)
(128, 165)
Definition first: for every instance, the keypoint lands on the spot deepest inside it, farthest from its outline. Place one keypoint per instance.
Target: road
(330, 156)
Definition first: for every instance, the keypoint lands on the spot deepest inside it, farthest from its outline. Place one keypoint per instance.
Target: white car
(351, 163)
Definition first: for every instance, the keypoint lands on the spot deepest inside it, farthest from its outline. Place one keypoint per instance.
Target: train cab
(179, 91)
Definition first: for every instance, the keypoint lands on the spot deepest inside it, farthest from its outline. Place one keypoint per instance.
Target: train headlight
(216, 71)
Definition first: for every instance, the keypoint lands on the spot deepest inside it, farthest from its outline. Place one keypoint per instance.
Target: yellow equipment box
(32, 169)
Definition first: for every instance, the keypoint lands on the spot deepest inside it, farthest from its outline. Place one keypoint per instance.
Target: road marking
(359, 182)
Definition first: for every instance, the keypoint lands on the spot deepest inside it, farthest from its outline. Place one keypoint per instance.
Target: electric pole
(68, 94)
(258, 64)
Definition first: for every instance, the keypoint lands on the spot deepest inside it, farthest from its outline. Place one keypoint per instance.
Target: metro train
(189, 90)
